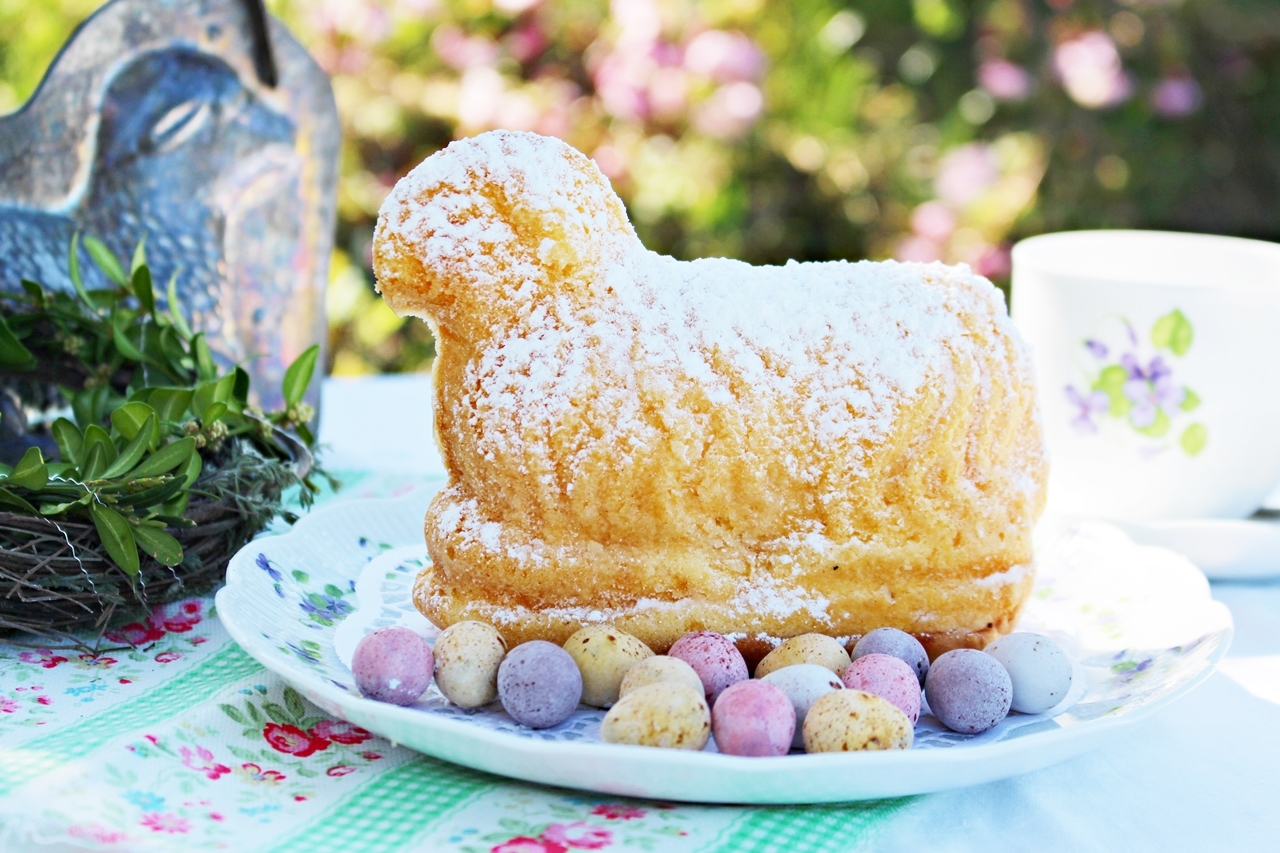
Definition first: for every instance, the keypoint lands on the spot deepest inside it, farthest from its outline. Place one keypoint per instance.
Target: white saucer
(1223, 548)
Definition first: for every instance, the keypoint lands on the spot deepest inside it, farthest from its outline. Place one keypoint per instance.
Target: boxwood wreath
(148, 467)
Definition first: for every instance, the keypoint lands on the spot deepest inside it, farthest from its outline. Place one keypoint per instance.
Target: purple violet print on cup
(1131, 383)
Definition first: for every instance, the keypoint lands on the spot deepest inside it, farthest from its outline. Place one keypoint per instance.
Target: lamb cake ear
(478, 224)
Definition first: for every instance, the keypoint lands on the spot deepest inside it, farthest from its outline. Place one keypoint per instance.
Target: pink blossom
(724, 56)
(168, 657)
(934, 221)
(1091, 72)
(254, 773)
(339, 731)
(611, 160)
(135, 634)
(95, 660)
(578, 835)
(525, 844)
(339, 770)
(461, 51)
(292, 740)
(8, 706)
(527, 43)
(730, 110)
(993, 262)
(610, 811)
(43, 700)
(208, 766)
(167, 822)
(1003, 80)
(179, 617)
(45, 657)
(918, 249)
(96, 832)
(965, 173)
(1176, 96)
(371, 755)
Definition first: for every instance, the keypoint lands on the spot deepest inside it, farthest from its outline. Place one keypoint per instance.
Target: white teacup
(1158, 361)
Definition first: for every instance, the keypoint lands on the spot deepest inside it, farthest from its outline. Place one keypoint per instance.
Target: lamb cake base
(670, 446)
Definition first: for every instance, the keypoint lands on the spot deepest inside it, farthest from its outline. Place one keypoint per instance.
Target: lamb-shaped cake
(668, 446)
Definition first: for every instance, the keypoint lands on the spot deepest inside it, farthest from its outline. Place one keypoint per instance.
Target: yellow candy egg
(604, 655)
(664, 714)
(468, 655)
(854, 720)
(807, 648)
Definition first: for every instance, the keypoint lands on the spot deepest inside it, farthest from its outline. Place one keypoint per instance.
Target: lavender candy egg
(1038, 668)
(753, 718)
(539, 685)
(714, 657)
(392, 665)
(968, 691)
(803, 684)
(900, 644)
(889, 677)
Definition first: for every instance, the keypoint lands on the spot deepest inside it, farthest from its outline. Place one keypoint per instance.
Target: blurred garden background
(811, 129)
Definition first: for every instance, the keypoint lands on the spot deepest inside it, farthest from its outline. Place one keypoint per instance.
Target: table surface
(186, 743)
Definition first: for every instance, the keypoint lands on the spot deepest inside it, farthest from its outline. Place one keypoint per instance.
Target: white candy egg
(1038, 667)
(803, 684)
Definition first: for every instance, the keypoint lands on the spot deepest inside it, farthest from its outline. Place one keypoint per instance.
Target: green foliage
(149, 405)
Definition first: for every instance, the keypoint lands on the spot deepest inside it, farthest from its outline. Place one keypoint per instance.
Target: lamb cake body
(670, 446)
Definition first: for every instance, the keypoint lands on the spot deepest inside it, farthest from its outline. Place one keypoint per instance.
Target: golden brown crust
(609, 460)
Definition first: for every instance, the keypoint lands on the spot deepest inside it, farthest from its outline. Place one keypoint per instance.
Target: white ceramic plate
(1223, 548)
(1139, 620)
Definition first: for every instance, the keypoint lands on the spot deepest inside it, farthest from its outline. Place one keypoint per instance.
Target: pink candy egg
(716, 660)
(890, 678)
(392, 665)
(753, 718)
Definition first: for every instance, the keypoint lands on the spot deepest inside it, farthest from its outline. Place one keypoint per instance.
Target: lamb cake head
(669, 446)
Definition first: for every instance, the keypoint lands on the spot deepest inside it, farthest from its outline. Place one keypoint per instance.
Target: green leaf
(58, 509)
(96, 436)
(141, 283)
(298, 375)
(30, 472)
(117, 537)
(1111, 382)
(1173, 332)
(73, 270)
(278, 714)
(240, 391)
(164, 548)
(95, 462)
(294, 702)
(213, 413)
(105, 260)
(173, 455)
(34, 290)
(11, 501)
(234, 713)
(69, 439)
(126, 347)
(1190, 400)
(1157, 428)
(208, 393)
(175, 308)
(171, 404)
(139, 256)
(1193, 439)
(206, 368)
(13, 354)
(137, 446)
(131, 417)
(160, 494)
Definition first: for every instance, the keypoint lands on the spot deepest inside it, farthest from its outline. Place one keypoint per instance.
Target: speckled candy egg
(657, 669)
(753, 718)
(887, 676)
(392, 665)
(716, 660)
(807, 648)
(468, 655)
(539, 684)
(968, 691)
(803, 683)
(1038, 668)
(899, 644)
(663, 714)
(604, 656)
(855, 720)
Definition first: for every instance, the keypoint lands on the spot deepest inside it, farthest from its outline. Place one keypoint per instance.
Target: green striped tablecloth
(170, 737)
